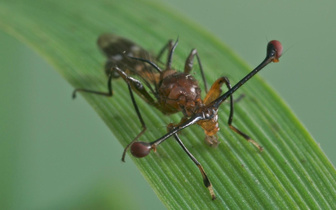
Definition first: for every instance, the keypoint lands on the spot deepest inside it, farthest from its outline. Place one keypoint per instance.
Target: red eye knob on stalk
(277, 46)
(140, 149)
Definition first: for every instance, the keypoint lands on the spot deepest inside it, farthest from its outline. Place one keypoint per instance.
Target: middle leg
(206, 180)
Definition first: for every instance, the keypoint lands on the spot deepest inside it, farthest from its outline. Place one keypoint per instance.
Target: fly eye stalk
(140, 149)
(274, 49)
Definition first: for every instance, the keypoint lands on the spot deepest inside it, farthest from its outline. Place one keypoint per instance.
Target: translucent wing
(118, 51)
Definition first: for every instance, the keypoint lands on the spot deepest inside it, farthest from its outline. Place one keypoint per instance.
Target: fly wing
(118, 51)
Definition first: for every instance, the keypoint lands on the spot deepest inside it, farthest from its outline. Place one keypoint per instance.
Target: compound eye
(277, 47)
(140, 149)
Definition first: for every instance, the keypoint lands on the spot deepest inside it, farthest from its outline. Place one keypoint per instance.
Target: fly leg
(189, 65)
(143, 125)
(211, 127)
(168, 47)
(212, 95)
(135, 85)
(206, 180)
(245, 136)
(108, 93)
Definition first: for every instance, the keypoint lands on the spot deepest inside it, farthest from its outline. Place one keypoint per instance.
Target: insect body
(171, 91)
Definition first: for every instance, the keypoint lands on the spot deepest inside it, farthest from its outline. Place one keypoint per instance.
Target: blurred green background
(55, 153)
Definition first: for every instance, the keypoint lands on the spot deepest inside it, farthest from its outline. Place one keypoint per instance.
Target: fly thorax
(179, 92)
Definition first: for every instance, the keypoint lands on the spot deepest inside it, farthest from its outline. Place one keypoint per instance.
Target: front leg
(189, 65)
(135, 85)
(213, 94)
(205, 178)
(167, 47)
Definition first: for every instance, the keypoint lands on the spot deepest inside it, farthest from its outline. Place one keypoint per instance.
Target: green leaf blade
(292, 172)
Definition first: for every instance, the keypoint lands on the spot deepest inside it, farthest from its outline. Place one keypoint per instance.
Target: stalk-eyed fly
(172, 91)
